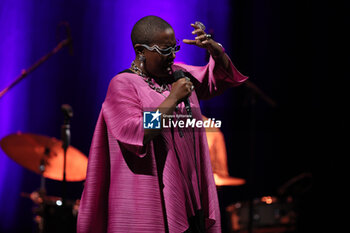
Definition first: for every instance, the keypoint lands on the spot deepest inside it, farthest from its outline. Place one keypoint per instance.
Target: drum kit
(266, 214)
(47, 157)
(272, 214)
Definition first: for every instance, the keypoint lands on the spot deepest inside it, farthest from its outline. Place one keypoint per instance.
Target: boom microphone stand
(65, 135)
(25, 72)
(254, 92)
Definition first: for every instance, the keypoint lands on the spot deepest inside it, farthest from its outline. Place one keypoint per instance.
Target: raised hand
(202, 39)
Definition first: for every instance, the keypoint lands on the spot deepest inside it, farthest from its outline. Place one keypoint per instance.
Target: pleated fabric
(153, 188)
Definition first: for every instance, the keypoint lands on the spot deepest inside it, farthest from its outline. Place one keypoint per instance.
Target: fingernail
(193, 32)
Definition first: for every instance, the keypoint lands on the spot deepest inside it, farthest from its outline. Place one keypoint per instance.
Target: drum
(54, 216)
(269, 214)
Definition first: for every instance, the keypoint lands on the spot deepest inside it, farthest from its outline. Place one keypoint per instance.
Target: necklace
(148, 80)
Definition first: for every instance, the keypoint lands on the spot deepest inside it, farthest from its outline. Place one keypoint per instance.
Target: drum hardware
(50, 212)
(269, 214)
(65, 136)
(45, 156)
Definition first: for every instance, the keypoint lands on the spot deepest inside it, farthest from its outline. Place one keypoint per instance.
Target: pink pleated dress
(131, 188)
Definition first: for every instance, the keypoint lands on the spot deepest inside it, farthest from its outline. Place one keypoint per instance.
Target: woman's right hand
(181, 89)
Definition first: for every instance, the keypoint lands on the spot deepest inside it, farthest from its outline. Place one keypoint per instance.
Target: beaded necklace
(137, 70)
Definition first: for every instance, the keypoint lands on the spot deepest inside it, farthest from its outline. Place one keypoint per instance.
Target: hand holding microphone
(182, 89)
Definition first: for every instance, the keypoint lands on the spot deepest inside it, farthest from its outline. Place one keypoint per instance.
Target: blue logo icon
(151, 120)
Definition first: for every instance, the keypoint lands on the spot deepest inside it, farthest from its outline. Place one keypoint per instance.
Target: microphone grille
(67, 110)
(178, 74)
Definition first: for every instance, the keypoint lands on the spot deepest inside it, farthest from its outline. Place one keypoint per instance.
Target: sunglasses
(164, 52)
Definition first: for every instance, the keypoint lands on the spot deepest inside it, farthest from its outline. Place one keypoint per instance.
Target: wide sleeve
(93, 210)
(122, 111)
(212, 79)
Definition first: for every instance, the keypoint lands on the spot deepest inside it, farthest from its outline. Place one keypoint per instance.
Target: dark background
(294, 51)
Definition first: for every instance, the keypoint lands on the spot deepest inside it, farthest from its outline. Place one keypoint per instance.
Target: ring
(187, 79)
(192, 87)
(208, 36)
(200, 25)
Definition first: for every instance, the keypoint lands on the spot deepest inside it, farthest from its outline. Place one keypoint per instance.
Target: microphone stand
(25, 72)
(251, 179)
(66, 136)
(254, 92)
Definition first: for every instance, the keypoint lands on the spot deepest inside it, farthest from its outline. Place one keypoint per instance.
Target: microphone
(66, 25)
(67, 111)
(178, 74)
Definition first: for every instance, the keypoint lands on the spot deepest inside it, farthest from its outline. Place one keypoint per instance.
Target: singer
(155, 180)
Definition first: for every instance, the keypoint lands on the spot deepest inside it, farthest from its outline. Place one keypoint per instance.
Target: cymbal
(31, 150)
(228, 180)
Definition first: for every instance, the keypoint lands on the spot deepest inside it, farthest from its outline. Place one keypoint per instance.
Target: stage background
(281, 45)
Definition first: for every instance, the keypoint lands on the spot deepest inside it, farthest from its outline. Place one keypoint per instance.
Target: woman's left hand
(204, 40)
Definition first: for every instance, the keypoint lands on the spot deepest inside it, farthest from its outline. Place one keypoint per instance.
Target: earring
(142, 59)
